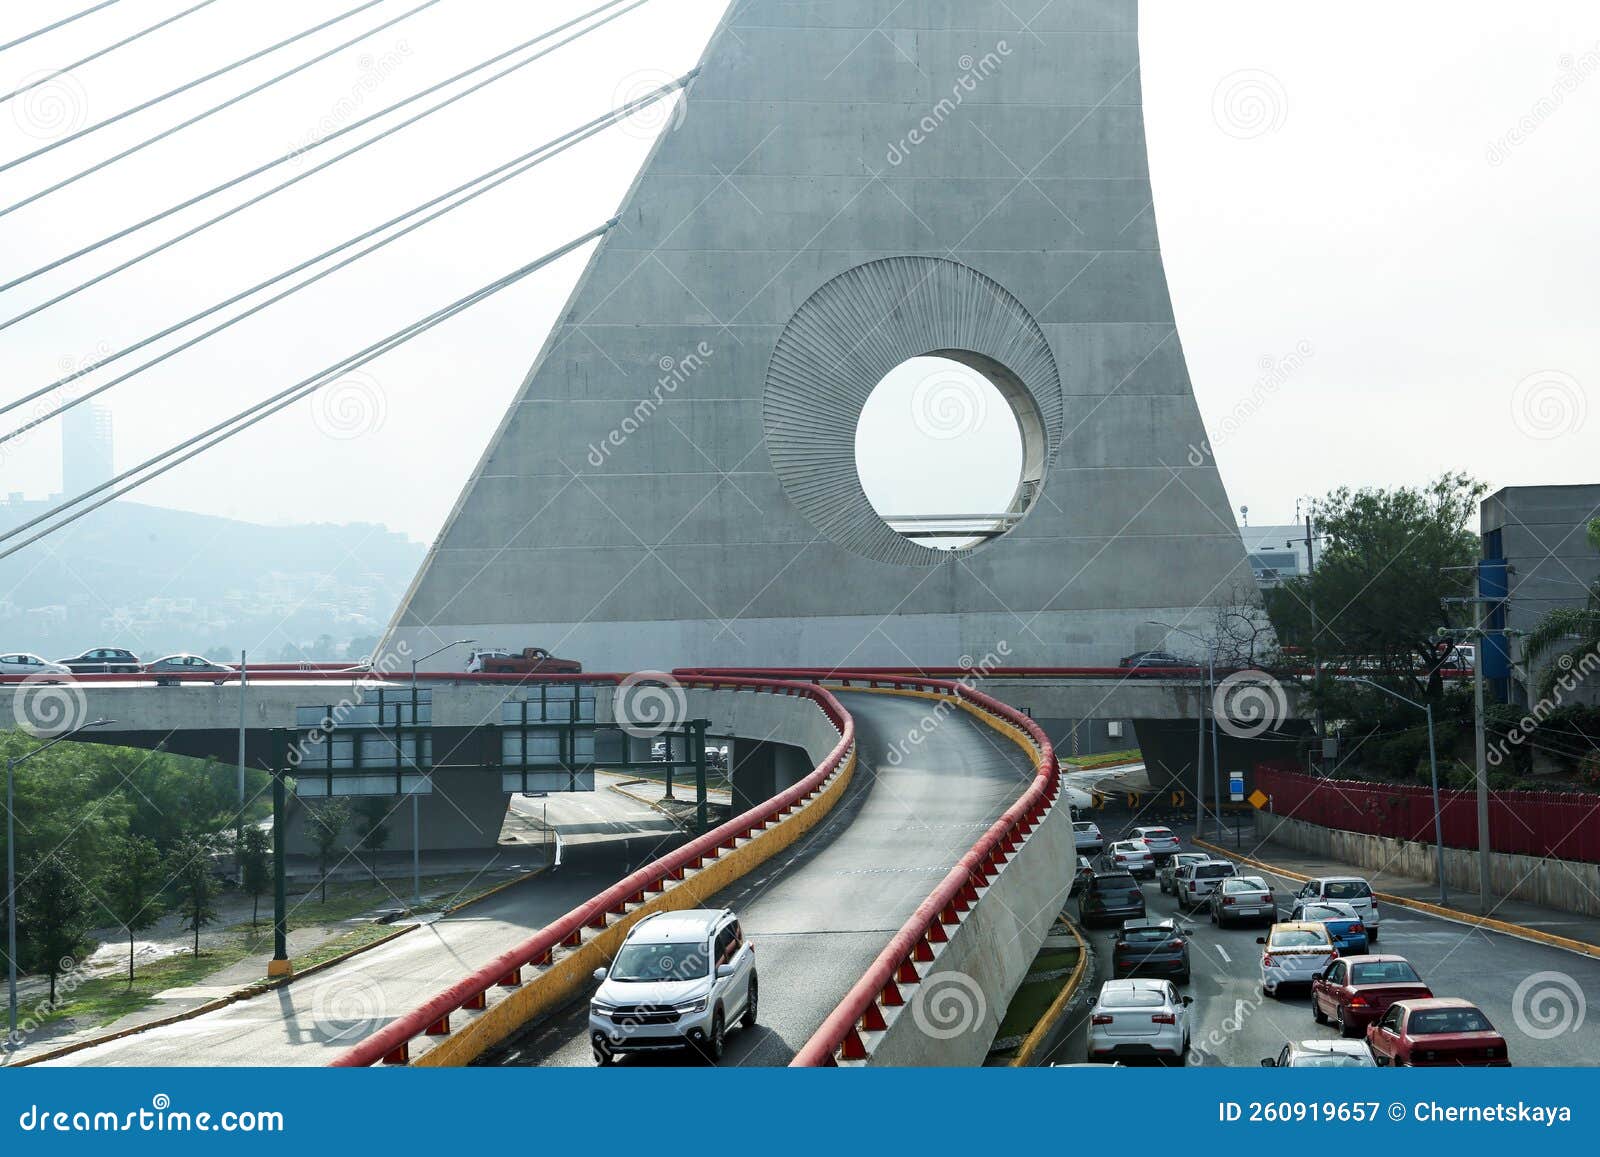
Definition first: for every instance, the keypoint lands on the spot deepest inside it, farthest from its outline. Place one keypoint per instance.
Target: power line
(216, 108)
(250, 416)
(99, 52)
(185, 87)
(65, 20)
(95, 280)
(489, 180)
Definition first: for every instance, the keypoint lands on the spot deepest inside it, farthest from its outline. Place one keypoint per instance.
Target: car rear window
(1435, 1021)
(1158, 833)
(1347, 890)
(1116, 889)
(1319, 912)
(1147, 935)
(1329, 1061)
(1384, 972)
(1083, 827)
(1297, 938)
(1213, 871)
(1132, 998)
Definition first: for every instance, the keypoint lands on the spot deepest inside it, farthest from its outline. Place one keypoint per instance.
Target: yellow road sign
(1259, 799)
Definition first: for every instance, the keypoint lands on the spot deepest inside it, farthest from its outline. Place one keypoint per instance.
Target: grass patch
(1104, 759)
(105, 999)
(683, 779)
(358, 937)
(1032, 1001)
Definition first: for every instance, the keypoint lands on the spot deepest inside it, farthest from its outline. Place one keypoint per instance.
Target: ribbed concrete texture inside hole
(939, 454)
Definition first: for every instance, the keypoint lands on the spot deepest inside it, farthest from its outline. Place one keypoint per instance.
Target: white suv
(1351, 890)
(1086, 836)
(677, 981)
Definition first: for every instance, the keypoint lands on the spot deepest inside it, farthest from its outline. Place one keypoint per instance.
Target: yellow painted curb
(1035, 1039)
(1520, 931)
(570, 974)
(498, 888)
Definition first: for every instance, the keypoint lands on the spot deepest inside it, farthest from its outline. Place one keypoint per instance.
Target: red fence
(1529, 823)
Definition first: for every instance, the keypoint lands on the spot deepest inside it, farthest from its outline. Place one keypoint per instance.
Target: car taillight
(1269, 962)
(1163, 1018)
(1120, 858)
(1227, 899)
(1358, 1002)
(1356, 929)
(1191, 885)
(1100, 1018)
(1176, 944)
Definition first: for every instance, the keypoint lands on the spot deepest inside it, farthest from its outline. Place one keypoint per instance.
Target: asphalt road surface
(1234, 1024)
(821, 913)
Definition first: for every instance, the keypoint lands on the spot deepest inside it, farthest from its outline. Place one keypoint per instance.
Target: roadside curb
(494, 891)
(1521, 932)
(1065, 1000)
(253, 990)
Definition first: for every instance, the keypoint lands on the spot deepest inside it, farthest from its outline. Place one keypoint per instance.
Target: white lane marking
(1223, 952)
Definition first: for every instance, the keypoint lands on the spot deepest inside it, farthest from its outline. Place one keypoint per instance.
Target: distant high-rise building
(85, 448)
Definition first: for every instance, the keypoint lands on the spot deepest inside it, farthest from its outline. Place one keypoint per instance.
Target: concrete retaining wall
(1567, 885)
(952, 1016)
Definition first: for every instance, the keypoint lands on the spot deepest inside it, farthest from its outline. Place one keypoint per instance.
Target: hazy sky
(1379, 226)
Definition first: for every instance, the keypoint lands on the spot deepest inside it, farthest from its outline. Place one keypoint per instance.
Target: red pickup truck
(532, 660)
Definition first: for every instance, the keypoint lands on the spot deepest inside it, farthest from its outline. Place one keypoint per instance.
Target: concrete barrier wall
(951, 1017)
(1568, 885)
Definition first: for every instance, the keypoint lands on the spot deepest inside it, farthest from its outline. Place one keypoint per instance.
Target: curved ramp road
(820, 915)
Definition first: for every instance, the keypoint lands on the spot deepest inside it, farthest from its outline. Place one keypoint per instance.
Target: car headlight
(691, 1006)
(600, 1007)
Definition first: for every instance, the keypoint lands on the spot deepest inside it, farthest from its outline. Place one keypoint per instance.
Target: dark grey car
(1108, 897)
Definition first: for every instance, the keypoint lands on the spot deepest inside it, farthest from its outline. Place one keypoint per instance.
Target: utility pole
(279, 965)
(238, 830)
(1311, 606)
(1478, 632)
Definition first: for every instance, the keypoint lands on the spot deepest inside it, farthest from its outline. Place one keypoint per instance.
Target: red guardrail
(391, 1043)
(1558, 825)
(896, 966)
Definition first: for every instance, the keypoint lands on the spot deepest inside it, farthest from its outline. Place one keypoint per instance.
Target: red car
(532, 660)
(1436, 1032)
(1357, 990)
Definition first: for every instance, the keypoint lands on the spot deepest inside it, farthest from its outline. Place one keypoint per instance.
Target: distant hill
(157, 581)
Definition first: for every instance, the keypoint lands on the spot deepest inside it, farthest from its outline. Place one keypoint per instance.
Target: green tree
(196, 886)
(325, 823)
(1380, 587)
(1565, 633)
(372, 834)
(131, 887)
(255, 866)
(53, 912)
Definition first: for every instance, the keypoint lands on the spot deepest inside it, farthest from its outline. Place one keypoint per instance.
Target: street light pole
(1433, 770)
(416, 807)
(12, 763)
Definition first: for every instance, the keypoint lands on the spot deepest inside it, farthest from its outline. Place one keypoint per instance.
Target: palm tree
(1572, 633)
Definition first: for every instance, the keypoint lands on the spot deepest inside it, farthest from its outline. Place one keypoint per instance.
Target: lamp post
(1200, 735)
(416, 817)
(11, 868)
(1433, 772)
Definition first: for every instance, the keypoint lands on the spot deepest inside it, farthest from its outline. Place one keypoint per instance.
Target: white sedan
(1295, 953)
(27, 663)
(1139, 1018)
(1129, 856)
